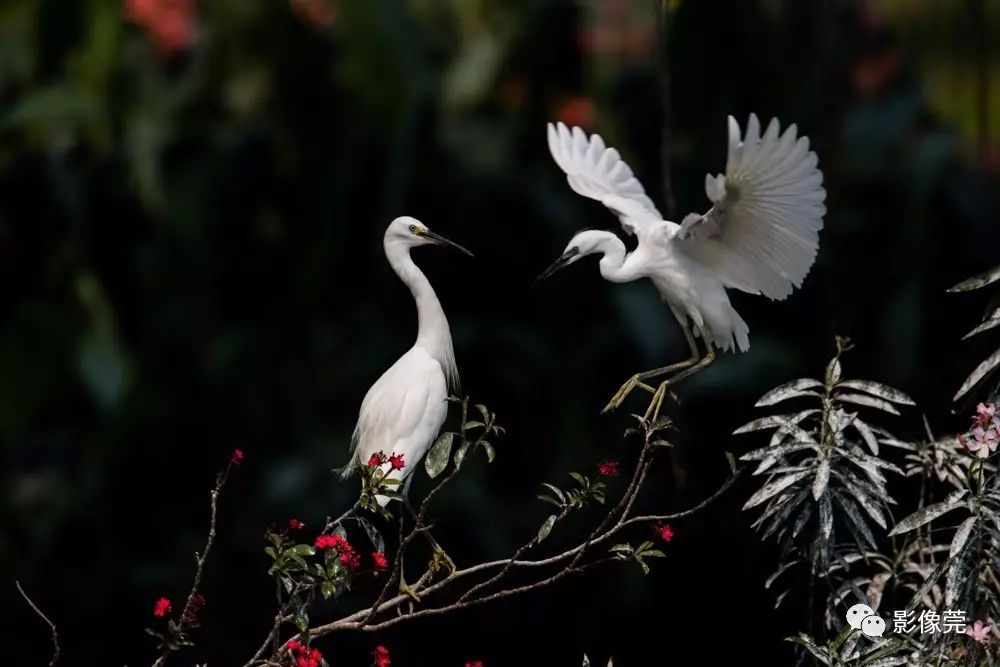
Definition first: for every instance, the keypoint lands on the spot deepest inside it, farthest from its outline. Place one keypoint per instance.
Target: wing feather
(597, 171)
(762, 233)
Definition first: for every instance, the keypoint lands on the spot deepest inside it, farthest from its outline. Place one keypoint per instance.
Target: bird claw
(408, 591)
(442, 560)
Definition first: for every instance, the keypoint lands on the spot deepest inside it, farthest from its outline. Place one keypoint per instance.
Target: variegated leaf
(821, 479)
(981, 370)
(977, 282)
(774, 487)
(793, 389)
(877, 389)
(869, 401)
(962, 536)
(929, 513)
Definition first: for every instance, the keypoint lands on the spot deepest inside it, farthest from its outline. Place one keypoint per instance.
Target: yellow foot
(406, 590)
(626, 389)
(442, 560)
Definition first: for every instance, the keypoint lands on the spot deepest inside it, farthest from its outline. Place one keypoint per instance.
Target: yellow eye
(413, 228)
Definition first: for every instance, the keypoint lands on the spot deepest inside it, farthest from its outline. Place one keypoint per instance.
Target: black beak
(440, 240)
(563, 260)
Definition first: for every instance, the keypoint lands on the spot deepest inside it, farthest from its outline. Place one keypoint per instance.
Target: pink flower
(983, 442)
(237, 456)
(985, 414)
(161, 608)
(979, 632)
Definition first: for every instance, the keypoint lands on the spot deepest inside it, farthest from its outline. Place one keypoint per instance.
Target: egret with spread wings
(760, 235)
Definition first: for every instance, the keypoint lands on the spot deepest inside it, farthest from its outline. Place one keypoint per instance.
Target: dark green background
(191, 261)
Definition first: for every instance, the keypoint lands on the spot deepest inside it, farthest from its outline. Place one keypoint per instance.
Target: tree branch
(52, 626)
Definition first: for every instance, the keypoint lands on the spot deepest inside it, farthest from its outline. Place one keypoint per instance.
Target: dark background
(191, 261)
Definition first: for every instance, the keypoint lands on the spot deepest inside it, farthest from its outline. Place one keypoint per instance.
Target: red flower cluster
(295, 524)
(162, 607)
(237, 456)
(663, 531)
(396, 460)
(609, 468)
(170, 24)
(382, 658)
(381, 564)
(304, 656)
(348, 556)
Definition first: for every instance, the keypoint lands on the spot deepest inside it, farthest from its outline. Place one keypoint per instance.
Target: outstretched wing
(762, 232)
(598, 172)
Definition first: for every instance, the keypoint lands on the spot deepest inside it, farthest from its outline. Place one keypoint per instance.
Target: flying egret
(760, 236)
(404, 410)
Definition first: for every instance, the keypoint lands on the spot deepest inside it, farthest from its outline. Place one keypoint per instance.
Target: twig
(354, 621)
(187, 613)
(52, 626)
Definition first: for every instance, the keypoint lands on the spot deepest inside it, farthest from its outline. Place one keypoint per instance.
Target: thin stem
(52, 626)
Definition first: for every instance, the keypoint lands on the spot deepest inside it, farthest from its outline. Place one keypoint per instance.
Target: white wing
(762, 232)
(598, 172)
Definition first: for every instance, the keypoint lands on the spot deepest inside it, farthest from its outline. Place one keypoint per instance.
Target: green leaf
(580, 479)
(439, 455)
(546, 528)
(326, 588)
(622, 550)
(490, 452)
(556, 490)
(460, 454)
(375, 537)
(483, 411)
(271, 552)
(303, 550)
(469, 425)
(929, 513)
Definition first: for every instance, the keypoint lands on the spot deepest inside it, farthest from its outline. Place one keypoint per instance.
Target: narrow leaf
(977, 282)
(775, 487)
(985, 326)
(878, 389)
(822, 479)
(981, 370)
(962, 536)
(929, 513)
(870, 401)
(792, 389)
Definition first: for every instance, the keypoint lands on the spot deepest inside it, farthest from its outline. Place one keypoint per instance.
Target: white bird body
(761, 235)
(404, 410)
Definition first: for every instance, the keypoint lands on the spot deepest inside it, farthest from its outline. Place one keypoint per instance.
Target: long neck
(433, 333)
(613, 260)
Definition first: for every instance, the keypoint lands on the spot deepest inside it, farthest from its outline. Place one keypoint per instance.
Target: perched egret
(760, 236)
(404, 410)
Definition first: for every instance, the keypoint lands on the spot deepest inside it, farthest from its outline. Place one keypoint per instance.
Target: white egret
(404, 410)
(760, 236)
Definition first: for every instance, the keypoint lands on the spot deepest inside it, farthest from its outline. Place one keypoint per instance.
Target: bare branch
(52, 626)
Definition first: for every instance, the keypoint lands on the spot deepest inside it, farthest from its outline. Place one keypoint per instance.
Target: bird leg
(404, 587)
(654, 407)
(440, 558)
(637, 380)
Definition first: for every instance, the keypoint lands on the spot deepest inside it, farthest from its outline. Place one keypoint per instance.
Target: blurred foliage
(190, 260)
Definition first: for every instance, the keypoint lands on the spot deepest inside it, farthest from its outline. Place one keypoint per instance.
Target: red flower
(609, 468)
(474, 663)
(396, 461)
(197, 600)
(304, 656)
(162, 607)
(295, 524)
(377, 460)
(317, 13)
(330, 542)
(237, 456)
(382, 658)
(170, 24)
(663, 531)
(381, 564)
